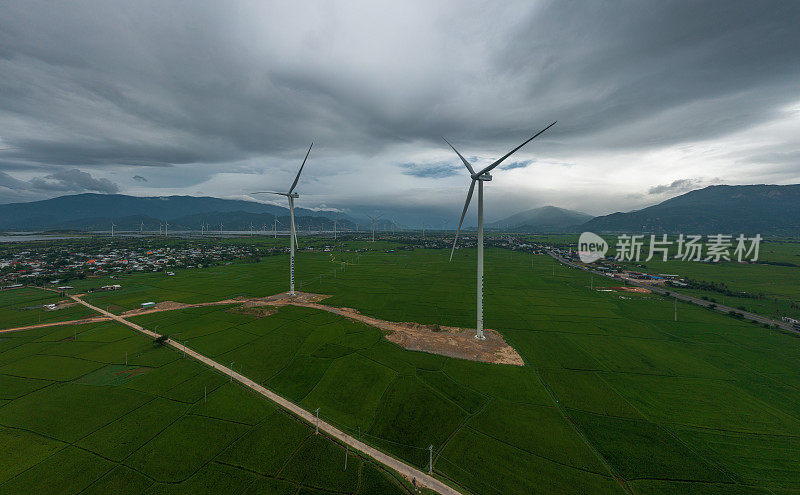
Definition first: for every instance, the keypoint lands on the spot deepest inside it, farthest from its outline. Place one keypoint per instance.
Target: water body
(35, 237)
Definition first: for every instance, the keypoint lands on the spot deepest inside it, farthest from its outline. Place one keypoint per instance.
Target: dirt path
(93, 319)
(435, 339)
(172, 305)
(404, 469)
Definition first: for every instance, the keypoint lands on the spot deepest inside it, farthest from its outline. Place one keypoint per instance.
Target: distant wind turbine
(112, 229)
(373, 220)
(481, 177)
(291, 196)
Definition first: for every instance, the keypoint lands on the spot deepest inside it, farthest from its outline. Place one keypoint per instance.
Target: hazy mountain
(542, 219)
(97, 211)
(764, 209)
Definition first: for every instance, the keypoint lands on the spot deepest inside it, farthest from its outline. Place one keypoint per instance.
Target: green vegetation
(25, 306)
(87, 423)
(615, 395)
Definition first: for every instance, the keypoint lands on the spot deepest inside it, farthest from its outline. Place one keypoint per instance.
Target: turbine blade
(269, 192)
(466, 163)
(498, 162)
(463, 214)
(301, 170)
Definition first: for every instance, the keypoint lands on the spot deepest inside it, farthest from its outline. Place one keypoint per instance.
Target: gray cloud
(139, 178)
(67, 180)
(430, 170)
(197, 92)
(677, 186)
(517, 164)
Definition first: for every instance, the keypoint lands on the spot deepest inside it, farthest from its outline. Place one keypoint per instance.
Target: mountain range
(542, 219)
(761, 208)
(749, 209)
(97, 211)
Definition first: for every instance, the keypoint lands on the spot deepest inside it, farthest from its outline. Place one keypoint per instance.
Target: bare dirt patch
(435, 339)
(173, 305)
(254, 310)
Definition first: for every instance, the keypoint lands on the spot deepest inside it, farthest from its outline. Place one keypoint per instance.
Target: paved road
(385, 459)
(701, 302)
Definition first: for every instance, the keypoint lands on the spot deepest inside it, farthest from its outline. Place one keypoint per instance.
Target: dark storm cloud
(131, 84)
(139, 178)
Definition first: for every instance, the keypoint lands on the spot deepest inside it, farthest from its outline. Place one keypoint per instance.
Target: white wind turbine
(373, 220)
(291, 196)
(480, 177)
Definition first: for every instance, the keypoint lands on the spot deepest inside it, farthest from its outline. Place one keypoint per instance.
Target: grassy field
(24, 306)
(615, 395)
(771, 284)
(112, 412)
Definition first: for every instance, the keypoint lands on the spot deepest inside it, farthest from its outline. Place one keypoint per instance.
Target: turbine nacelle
(484, 177)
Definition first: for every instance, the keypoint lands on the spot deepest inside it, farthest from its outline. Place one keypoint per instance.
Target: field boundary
(402, 468)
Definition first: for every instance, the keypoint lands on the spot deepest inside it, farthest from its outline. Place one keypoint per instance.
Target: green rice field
(615, 396)
(76, 418)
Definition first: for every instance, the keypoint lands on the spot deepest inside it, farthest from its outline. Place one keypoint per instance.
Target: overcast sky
(652, 99)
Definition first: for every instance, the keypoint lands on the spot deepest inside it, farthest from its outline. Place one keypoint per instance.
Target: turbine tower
(480, 177)
(373, 220)
(291, 196)
(112, 229)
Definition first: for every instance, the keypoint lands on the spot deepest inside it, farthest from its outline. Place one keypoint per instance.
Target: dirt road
(55, 323)
(404, 469)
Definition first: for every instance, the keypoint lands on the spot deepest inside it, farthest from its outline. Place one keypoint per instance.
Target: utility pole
(316, 427)
(430, 463)
(231, 371)
(205, 393)
(676, 308)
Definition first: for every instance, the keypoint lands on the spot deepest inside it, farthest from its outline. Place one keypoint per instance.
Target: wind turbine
(275, 227)
(291, 196)
(335, 222)
(112, 229)
(141, 227)
(480, 177)
(220, 228)
(166, 228)
(373, 220)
